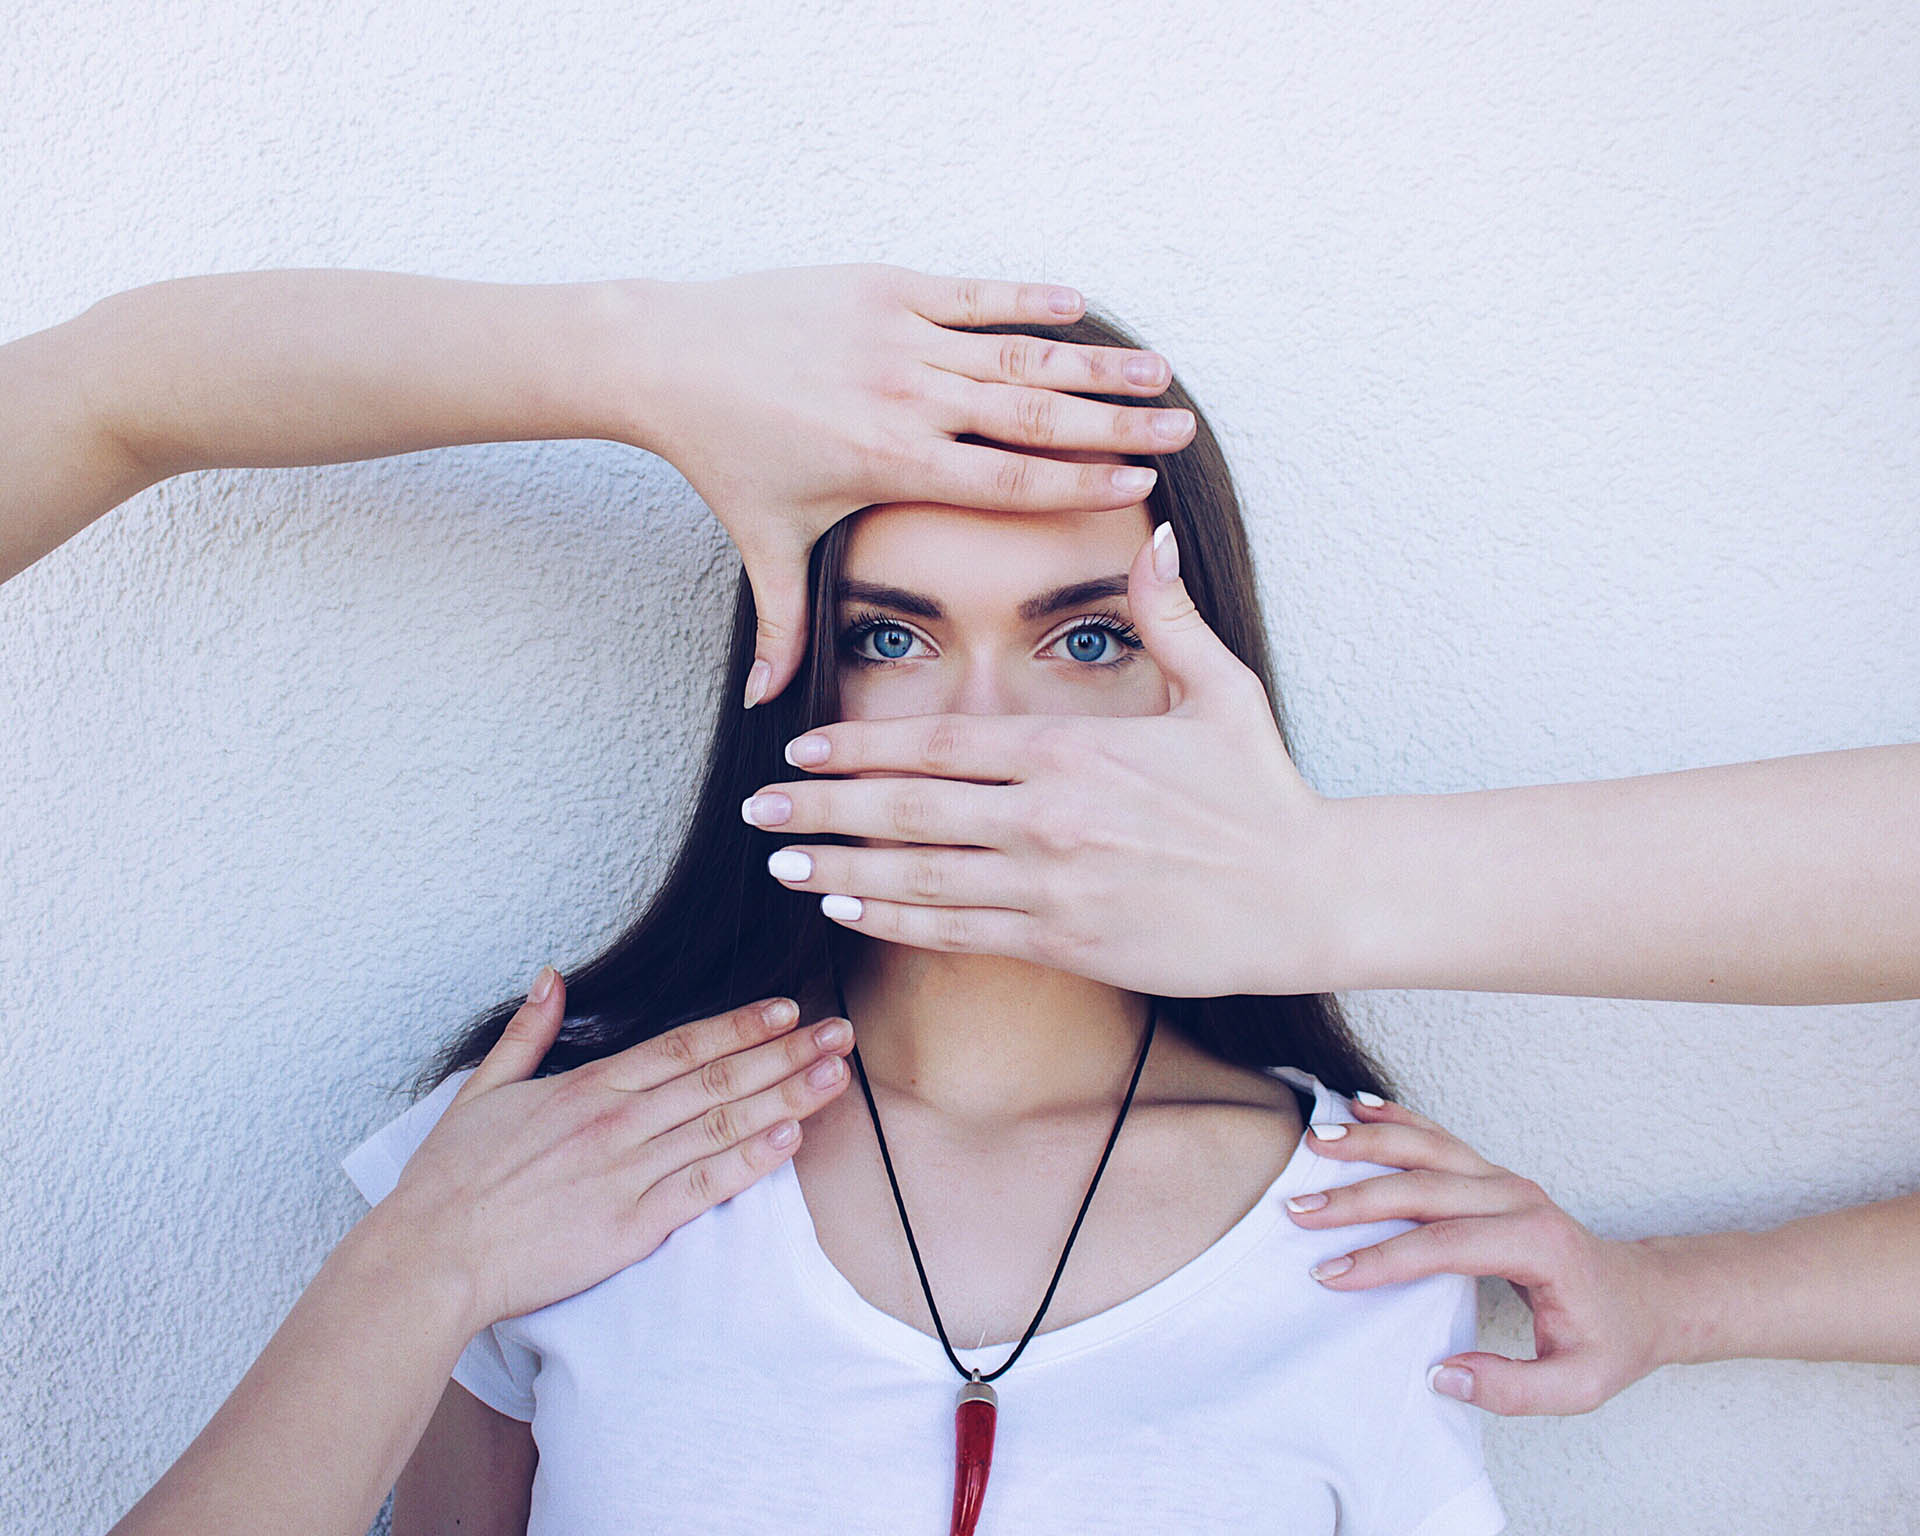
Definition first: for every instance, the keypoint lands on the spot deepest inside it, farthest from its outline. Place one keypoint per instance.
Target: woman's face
(952, 611)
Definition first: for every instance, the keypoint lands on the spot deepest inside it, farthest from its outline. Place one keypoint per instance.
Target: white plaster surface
(1570, 357)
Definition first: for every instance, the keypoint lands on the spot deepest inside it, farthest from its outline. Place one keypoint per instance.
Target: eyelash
(866, 622)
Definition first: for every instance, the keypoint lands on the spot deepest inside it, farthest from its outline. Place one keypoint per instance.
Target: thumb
(524, 1043)
(1190, 654)
(1563, 1383)
(779, 582)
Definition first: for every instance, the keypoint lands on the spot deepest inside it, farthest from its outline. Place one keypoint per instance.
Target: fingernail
(808, 751)
(1132, 480)
(1145, 370)
(782, 1012)
(842, 909)
(766, 810)
(1171, 426)
(1304, 1203)
(1333, 1268)
(789, 864)
(833, 1034)
(826, 1073)
(784, 1134)
(1451, 1381)
(1064, 301)
(1371, 1100)
(1166, 553)
(757, 679)
(542, 987)
(1330, 1132)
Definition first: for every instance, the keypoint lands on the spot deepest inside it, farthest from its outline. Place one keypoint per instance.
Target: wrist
(639, 353)
(1693, 1308)
(395, 1256)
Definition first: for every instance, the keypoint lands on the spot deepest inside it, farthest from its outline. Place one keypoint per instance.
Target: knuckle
(1012, 479)
(908, 815)
(679, 1047)
(1056, 748)
(703, 1183)
(720, 1078)
(923, 877)
(721, 1125)
(1036, 415)
(1056, 825)
(1016, 359)
(971, 301)
(953, 930)
(940, 748)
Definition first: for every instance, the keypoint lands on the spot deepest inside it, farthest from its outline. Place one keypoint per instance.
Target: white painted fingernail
(1371, 1100)
(842, 909)
(1329, 1132)
(1333, 1268)
(1301, 1204)
(1451, 1381)
(1166, 553)
(770, 810)
(789, 864)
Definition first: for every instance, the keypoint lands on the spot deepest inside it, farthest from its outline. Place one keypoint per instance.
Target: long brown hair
(720, 931)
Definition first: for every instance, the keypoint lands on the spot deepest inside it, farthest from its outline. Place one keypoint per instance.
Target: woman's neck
(987, 1039)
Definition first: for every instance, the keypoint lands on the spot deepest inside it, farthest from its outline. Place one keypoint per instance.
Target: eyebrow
(1075, 594)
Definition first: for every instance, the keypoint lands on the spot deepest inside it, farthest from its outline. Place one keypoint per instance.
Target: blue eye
(1099, 642)
(873, 640)
(891, 643)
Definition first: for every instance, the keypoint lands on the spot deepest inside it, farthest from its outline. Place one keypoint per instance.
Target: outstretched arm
(1842, 1285)
(1184, 854)
(788, 398)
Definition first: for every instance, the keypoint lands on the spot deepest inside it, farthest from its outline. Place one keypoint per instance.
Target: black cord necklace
(978, 1407)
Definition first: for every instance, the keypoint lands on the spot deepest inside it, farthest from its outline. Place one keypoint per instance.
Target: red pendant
(973, 1421)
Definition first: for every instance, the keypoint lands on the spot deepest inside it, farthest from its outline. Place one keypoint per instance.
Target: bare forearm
(315, 1434)
(1843, 1285)
(301, 367)
(1794, 880)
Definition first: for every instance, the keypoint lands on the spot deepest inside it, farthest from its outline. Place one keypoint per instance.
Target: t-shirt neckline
(884, 1331)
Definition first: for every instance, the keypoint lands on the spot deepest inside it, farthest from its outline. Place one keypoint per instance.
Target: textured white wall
(1572, 366)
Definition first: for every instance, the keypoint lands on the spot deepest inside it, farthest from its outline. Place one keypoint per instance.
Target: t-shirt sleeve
(1436, 1482)
(496, 1366)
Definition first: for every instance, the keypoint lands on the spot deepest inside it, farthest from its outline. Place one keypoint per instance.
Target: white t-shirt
(734, 1382)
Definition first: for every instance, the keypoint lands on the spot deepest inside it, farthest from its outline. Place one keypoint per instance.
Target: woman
(774, 1364)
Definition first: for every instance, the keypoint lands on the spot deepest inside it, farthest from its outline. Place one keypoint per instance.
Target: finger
(779, 583)
(1561, 1383)
(1046, 418)
(727, 1124)
(1040, 362)
(989, 749)
(689, 1047)
(1421, 1195)
(927, 877)
(1506, 1246)
(1371, 1107)
(983, 301)
(695, 1189)
(1197, 664)
(730, 1080)
(900, 810)
(524, 1043)
(1000, 479)
(1394, 1145)
(953, 930)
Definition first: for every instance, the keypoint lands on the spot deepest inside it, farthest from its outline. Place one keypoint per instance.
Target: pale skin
(995, 844)
(1034, 1079)
(837, 387)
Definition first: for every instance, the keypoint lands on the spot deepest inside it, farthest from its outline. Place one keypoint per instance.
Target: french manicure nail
(842, 909)
(1332, 1131)
(1304, 1203)
(766, 810)
(1166, 553)
(808, 751)
(1333, 1268)
(789, 864)
(1451, 1381)
(757, 679)
(1371, 1100)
